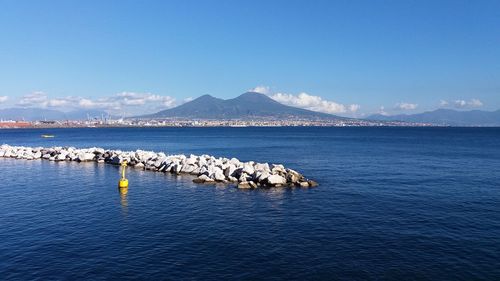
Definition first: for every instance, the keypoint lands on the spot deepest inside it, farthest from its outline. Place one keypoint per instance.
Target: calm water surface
(393, 203)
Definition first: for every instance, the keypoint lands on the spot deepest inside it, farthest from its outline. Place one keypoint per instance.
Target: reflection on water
(123, 199)
(275, 193)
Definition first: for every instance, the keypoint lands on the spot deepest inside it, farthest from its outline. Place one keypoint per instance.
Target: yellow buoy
(123, 183)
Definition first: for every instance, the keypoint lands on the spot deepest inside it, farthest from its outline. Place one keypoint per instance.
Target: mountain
(29, 114)
(249, 105)
(34, 114)
(447, 117)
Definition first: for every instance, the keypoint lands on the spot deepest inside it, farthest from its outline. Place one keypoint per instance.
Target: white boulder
(276, 179)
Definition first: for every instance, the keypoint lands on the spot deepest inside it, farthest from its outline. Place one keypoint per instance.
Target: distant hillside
(447, 117)
(34, 114)
(246, 106)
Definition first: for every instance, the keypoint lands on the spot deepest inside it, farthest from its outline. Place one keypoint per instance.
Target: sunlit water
(393, 203)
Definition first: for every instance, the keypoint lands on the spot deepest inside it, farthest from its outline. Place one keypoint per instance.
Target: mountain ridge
(37, 114)
(248, 105)
(448, 117)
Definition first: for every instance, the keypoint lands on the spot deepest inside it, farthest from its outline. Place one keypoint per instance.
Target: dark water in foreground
(393, 203)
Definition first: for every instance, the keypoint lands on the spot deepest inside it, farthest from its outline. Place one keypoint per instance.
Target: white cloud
(137, 99)
(472, 103)
(86, 103)
(3, 99)
(460, 103)
(475, 103)
(306, 101)
(128, 100)
(187, 99)
(382, 111)
(354, 107)
(101, 103)
(124, 101)
(40, 99)
(261, 89)
(468, 104)
(57, 102)
(405, 106)
(315, 103)
(33, 99)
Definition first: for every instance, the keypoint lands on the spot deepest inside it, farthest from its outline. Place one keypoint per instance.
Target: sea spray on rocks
(206, 168)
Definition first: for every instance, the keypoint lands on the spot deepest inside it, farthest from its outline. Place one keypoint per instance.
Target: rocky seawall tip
(205, 168)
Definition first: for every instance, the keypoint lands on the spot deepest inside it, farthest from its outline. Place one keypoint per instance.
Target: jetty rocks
(205, 168)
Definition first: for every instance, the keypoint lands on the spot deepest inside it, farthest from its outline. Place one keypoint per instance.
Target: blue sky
(345, 57)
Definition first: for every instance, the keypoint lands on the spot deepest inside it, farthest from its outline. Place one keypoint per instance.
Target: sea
(393, 203)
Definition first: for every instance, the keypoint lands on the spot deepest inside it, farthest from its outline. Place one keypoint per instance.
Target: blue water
(393, 204)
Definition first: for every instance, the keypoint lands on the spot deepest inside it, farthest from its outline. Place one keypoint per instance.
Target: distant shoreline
(249, 126)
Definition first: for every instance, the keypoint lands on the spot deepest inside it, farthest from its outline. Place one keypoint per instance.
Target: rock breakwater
(205, 168)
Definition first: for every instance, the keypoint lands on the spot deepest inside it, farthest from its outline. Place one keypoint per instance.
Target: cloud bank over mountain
(461, 104)
(405, 106)
(120, 102)
(309, 102)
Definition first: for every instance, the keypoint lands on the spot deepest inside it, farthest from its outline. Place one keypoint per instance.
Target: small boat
(47, 136)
